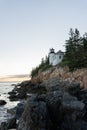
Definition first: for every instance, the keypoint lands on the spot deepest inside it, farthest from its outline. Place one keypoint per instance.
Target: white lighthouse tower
(51, 56)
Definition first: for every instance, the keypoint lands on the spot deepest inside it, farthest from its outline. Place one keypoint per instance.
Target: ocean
(4, 89)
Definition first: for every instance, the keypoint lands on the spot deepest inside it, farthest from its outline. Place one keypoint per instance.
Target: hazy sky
(29, 28)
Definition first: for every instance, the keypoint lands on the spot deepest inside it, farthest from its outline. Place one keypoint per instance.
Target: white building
(55, 58)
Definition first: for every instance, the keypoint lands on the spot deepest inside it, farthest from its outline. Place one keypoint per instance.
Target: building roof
(60, 52)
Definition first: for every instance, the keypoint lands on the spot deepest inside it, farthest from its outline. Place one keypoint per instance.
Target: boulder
(11, 123)
(55, 84)
(19, 110)
(62, 104)
(18, 96)
(12, 111)
(22, 125)
(3, 126)
(2, 102)
(13, 97)
(71, 102)
(68, 124)
(21, 95)
(34, 115)
(12, 93)
(53, 101)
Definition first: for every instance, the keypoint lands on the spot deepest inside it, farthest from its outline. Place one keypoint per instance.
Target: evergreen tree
(76, 50)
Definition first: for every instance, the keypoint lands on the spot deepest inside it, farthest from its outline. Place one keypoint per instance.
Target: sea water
(4, 89)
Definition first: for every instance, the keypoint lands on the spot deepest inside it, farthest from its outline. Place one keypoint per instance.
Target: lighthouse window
(59, 57)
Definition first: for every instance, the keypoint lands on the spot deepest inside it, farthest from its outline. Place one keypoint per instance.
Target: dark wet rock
(34, 115)
(12, 111)
(61, 104)
(71, 102)
(12, 93)
(22, 125)
(53, 101)
(22, 90)
(83, 125)
(23, 87)
(24, 83)
(2, 102)
(21, 95)
(51, 105)
(69, 124)
(13, 97)
(38, 89)
(13, 84)
(54, 84)
(42, 97)
(3, 126)
(11, 123)
(19, 110)
(49, 111)
(83, 95)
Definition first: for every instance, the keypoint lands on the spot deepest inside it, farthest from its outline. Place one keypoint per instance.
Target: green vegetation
(76, 50)
(44, 65)
(75, 55)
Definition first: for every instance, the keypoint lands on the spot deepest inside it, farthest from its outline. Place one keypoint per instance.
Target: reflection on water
(4, 89)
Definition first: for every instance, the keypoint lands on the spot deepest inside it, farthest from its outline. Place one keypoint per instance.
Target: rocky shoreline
(50, 105)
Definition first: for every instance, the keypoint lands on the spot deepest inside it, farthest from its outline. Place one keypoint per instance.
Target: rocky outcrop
(24, 89)
(63, 106)
(34, 116)
(19, 110)
(3, 126)
(55, 100)
(10, 124)
(16, 113)
(79, 75)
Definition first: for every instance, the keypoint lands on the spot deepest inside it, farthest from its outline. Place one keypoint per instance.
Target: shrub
(44, 65)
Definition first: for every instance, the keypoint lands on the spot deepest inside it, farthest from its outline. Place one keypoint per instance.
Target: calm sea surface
(4, 89)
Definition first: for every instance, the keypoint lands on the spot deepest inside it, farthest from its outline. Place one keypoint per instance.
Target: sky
(29, 28)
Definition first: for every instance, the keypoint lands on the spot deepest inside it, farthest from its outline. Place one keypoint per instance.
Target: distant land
(14, 78)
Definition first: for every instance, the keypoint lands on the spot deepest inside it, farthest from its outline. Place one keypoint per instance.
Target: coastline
(53, 103)
(5, 103)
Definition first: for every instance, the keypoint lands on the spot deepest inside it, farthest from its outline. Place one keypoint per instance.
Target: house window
(59, 57)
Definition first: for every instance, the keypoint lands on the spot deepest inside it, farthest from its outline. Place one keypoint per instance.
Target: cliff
(63, 106)
(55, 99)
(58, 101)
(79, 75)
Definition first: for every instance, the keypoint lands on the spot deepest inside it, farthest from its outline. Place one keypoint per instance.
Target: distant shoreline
(14, 78)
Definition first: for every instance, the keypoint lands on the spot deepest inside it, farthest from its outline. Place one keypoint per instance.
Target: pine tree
(76, 50)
